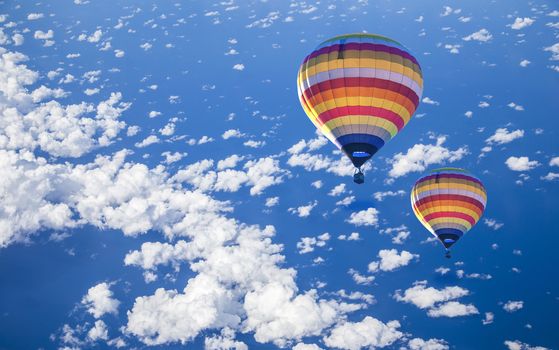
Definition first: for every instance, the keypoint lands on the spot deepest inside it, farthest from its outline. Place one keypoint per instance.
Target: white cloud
(99, 300)
(303, 211)
(518, 345)
(316, 162)
(303, 346)
(229, 162)
(232, 133)
(516, 107)
(34, 16)
(260, 174)
(266, 21)
(337, 190)
(482, 35)
(429, 101)
(61, 131)
(307, 244)
(153, 254)
(150, 140)
(483, 104)
(521, 163)
(239, 66)
(520, 23)
(489, 317)
(368, 217)
(554, 161)
(554, 49)
(254, 144)
(439, 302)
(90, 92)
(39, 34)
(98, 331)
(524, 63)
(492, 223)
(379, 196)
(550, 176)
(369, 332)
(452, 309)
(391, 260)
(224, 341)
(503, 136)
(469, 114)
(420, 156)
(18, 39)
(431, 344)
(512, 306)
(359, 278)
(271, 202)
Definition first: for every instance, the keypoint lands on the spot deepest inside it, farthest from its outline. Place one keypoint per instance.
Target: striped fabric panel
(360, 85)
(448, 200)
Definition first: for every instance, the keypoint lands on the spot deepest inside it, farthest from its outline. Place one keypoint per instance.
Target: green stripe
(361, 35)
(459, 170)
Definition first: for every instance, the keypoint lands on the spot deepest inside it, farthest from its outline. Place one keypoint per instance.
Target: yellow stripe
(365, 54)
(450, 208)
(310, 70)
(363, 120)
(444, 221)
(354, 101)
(455, 186)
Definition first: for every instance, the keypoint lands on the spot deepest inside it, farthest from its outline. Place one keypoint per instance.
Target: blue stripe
(373, 140)
(451, 231)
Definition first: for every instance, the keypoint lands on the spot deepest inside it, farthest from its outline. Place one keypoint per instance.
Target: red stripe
(333, 113)
(362, 82)
(450, 214)
(451, 197)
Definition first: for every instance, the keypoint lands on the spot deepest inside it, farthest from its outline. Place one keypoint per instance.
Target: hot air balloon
(448, 202)
(360, 90)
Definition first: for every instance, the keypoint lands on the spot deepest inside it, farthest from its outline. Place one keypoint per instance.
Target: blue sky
(162, 187)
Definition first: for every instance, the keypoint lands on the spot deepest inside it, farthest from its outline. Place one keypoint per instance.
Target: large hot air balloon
(360, 90)
(448, 202)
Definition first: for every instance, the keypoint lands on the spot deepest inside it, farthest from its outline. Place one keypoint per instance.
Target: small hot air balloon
(360, 90)
(448, 202)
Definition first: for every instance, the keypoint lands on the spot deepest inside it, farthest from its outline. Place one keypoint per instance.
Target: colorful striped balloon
(448, 202)
(360, 90)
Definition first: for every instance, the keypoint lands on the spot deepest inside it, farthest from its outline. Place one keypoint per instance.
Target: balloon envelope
(448, 202)
(360, 90)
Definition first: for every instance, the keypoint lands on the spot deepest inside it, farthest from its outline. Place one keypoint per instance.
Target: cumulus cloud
(379, 196)
(503, 136)
(452, 309)
(518, 345)
(391, 260)
(512, 306)
(482, 35)
(421, 156)
(520, 23)
(439, 302)
(521, 163)
(307, 244)
(431, 344)
(369, 332)
(224, 341)
(99, 300)
(300, 156)
(303, 211)
(368, 217)
(554, 49)
(259, 174)
(232, 133)
(62, 131)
